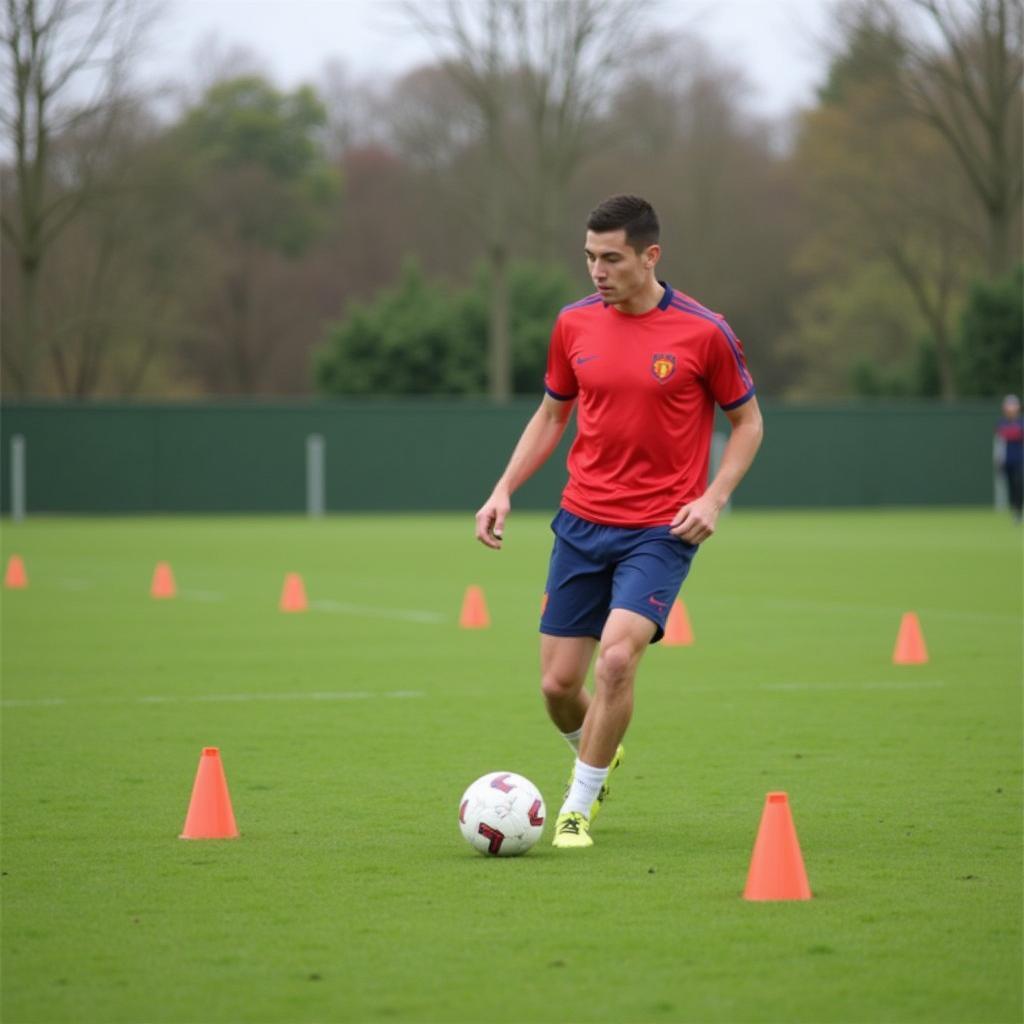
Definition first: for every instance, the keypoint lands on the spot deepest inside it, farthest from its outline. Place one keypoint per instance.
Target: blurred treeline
(418, 235)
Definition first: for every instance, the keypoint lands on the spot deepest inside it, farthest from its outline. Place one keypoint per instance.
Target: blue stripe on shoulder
(722, 322)
(590, 300)
(695, 309)
(557, 396)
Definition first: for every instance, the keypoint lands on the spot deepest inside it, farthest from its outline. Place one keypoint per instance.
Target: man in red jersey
(645, 365)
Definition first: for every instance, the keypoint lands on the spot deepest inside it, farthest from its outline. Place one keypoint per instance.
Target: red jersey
(647, 387)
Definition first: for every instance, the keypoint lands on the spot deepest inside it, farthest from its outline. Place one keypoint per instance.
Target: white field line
(779, 604)
(336, 607)
(347, 695)
(217, 698)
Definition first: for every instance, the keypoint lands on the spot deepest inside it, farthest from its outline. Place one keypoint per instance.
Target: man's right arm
(539, 439)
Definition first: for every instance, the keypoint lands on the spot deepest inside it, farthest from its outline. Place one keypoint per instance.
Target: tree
(553, 62)
(725, 191)
(261, 193)
(410, 340)
(116, 275)
(569, 55)
(992, 335)
(421, 338)
(474, 35)
(855, 331)
(538, 292)
(968, 89)
(356, 109)
(882, 186)
(55, 50)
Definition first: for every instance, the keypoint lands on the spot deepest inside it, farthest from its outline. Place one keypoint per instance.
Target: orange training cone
(677, 629)
(777, 867)
(15, 578)
(474, 610)
(163, 582)
(910, 648)
(209, 811)
(293, 594)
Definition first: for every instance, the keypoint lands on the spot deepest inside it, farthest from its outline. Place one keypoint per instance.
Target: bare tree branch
(969, 91)
(57, 48)
(546, 65)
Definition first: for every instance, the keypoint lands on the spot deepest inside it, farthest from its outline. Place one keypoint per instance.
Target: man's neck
(644, 300)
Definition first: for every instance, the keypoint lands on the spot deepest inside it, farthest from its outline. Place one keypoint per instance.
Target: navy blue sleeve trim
(740, 401)
(561, 398)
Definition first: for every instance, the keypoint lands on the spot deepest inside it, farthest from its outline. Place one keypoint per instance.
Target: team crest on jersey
(663, 366)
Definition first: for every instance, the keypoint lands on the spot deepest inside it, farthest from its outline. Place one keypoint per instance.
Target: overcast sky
(777, 42)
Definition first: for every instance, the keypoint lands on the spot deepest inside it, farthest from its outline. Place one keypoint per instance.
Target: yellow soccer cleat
(572, 830)
(595, 807)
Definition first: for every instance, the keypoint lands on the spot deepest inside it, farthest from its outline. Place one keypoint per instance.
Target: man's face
(1011, 408)
(618, 271)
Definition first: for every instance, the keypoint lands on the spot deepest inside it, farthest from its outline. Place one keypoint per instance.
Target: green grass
(352, 897)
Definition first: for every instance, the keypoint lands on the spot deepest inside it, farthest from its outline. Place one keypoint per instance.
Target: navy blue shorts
(596, 568)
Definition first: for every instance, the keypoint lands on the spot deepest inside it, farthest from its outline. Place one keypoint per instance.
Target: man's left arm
(696, 521)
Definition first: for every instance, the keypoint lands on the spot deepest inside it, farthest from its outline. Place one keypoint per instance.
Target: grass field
(349, 732)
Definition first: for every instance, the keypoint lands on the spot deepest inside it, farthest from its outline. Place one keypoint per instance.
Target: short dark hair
(632, 214)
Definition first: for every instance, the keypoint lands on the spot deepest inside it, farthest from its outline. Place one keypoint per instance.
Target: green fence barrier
(419, 454)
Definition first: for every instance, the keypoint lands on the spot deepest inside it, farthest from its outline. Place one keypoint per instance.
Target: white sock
(573, 738)
(586, 784)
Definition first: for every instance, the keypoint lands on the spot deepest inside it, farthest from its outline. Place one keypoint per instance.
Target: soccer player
(1010, 432)
(645, 365)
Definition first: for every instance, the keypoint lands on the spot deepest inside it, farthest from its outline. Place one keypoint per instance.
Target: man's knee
(558, 686)
(616, 665)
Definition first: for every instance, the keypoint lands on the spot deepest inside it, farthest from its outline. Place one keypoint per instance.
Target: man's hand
(490, 520)
(696, 522)
(538, 440)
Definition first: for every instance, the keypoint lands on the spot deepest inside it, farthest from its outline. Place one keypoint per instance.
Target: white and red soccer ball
(502, 814)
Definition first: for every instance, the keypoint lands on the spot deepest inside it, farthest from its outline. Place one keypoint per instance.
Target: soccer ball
(502, 814)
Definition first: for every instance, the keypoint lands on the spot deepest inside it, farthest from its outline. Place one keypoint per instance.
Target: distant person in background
(1011, 460)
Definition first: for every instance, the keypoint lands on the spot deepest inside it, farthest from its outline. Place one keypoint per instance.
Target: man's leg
(1015, 486)
(625, 637)
(564, 663)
